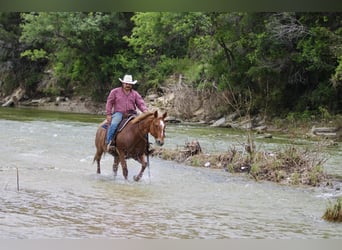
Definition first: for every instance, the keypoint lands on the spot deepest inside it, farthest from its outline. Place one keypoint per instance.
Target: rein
(148, 157)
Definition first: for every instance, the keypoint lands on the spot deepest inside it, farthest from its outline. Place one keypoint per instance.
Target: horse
(131, 141)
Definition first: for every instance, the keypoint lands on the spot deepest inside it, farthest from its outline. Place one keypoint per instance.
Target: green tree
(85, 50)
(284, 61)
(165, 41)
(14, 71)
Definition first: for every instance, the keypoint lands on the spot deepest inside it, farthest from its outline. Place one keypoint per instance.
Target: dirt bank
(76, 104)
(183, 105)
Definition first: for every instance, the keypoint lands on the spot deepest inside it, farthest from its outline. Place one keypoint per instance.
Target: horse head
(157, 128)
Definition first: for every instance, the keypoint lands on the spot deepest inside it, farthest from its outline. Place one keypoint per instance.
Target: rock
(219, 123)
(172, 119)
(199, 113)
(151, 97)
(167, 99)
(232, 116)
(58, 99)
(261, 129)
(267, 136)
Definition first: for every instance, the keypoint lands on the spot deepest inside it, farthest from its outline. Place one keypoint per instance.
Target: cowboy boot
(111, 147)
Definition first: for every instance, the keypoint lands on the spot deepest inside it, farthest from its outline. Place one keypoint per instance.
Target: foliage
(35, 54)
(333, 212)
(291, 62)
(165, 33)
(289, 166)
(84, 50)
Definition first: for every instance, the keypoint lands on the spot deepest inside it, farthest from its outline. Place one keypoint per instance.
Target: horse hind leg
(125, 170)
(100, 146)
(115, 165)
(98, 171)
(122, 160)
(97, 158)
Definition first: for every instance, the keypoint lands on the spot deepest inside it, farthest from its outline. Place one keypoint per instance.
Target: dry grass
(333, 213)
(292, 166)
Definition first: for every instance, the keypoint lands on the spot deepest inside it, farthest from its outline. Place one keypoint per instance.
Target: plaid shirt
(118, 101)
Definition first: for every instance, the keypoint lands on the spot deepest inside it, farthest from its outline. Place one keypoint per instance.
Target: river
(61, 196)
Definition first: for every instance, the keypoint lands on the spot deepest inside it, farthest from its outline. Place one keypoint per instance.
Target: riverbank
(329, 128)
(290, 165)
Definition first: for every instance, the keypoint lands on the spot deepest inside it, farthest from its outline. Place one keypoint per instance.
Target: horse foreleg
(143, 166)
(98, 167)
(116, 165)
(123, 165)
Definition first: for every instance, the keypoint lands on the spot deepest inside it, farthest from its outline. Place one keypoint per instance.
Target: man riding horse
(121, 102)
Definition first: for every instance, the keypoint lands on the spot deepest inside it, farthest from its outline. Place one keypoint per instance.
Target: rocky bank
(178, 108)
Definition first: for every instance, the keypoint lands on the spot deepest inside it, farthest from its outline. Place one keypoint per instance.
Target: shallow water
(61, 196)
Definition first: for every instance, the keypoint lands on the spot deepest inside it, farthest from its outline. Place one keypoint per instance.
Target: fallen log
(321, 130)
(328, 132)
(14, 99)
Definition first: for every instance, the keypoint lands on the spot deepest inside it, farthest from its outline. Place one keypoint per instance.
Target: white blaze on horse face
(162, 126)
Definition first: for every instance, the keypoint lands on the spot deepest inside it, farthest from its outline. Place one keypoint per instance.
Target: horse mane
(141, 117)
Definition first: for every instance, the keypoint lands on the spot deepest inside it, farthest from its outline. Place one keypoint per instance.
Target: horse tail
(100, 138)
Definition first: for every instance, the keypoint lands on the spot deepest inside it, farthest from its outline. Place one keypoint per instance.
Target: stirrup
(110, 148)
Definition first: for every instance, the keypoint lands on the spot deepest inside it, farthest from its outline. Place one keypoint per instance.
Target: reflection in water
(61, 196)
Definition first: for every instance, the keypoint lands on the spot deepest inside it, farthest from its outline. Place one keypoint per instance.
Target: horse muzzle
(160, 142)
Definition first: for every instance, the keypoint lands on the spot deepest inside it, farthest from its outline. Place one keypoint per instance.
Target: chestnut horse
(132, 141)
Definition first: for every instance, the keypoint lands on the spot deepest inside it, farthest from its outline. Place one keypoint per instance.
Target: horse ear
(156, 113)
(164, 115)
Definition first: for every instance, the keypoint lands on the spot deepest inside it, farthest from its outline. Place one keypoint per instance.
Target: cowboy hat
(128, 79)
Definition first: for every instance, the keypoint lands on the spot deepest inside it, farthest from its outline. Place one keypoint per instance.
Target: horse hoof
(136, 178)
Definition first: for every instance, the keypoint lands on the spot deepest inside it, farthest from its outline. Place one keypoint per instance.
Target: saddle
(123, 123)
(125, 120)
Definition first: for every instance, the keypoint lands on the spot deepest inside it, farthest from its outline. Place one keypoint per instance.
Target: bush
(334, 211)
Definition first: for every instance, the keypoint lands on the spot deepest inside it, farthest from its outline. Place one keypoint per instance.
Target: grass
(31, 114)
(333, 213)
(289, 165)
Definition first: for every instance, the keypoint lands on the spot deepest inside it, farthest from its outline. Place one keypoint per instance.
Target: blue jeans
(116, 119)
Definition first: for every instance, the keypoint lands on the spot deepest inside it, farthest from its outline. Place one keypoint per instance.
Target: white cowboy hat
(128, 79)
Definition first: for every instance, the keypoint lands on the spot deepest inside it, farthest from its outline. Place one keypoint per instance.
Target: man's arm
(139, 101)
(109, 106)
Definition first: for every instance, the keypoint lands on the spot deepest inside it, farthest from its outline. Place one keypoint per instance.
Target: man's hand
(109, 119)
